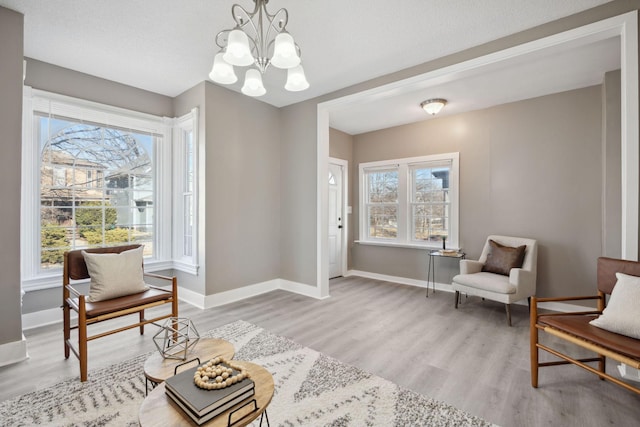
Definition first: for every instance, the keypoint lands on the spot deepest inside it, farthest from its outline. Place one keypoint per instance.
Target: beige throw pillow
(622, 313)
(115, 275)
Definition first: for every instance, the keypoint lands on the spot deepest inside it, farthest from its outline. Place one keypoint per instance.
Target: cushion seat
(578, 326)
(486, 281)
(95, 309)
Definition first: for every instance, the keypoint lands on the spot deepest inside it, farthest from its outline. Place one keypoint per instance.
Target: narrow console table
(431, 271)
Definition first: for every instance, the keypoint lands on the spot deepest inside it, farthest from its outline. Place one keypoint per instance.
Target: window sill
(54, 278)
(401, 245)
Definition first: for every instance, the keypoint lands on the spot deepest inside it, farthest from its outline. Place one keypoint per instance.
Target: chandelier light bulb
(222, 72)
(253, 83)
(238, 50)
(296, 80)
(284, 52)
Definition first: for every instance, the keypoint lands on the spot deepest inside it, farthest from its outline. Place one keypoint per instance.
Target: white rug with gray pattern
(311, 389)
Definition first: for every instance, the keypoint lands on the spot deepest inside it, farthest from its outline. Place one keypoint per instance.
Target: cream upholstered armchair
(505, 272)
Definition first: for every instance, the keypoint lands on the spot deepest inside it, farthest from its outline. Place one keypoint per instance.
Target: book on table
(201, 402)
(220, 409)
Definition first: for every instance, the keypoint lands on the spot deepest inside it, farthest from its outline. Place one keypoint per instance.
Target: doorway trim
(625, 26)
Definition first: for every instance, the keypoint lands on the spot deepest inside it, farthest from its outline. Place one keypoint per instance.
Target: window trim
(186, 123)
(404, 235)
(38, 100)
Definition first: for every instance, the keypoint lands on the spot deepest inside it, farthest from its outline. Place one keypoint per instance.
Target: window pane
(188, 225)
(383, 222)
(431, 199)
(96, 186)
(383, 187)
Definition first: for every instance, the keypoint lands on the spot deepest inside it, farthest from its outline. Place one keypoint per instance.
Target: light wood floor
(468, 357)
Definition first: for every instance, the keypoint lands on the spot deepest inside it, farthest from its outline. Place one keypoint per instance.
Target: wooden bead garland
(213, 375)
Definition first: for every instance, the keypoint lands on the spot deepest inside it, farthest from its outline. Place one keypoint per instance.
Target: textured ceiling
(167, 46)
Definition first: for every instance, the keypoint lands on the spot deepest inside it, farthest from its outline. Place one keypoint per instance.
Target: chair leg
(602, 365)
(508, 309)
(457, 298)
(533, 343)
(82, 343)
(66, 315)
(141, 320)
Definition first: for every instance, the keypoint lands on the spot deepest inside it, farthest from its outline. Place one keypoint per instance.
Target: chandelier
(258, 40)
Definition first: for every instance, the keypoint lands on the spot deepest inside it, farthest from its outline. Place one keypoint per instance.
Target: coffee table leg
(264, 415)
(147, 381)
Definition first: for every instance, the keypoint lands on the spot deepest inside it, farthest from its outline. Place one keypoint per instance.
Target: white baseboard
(43, 318)
(300, 288)
(191, 297)
(553, 306)
(13, 352)
(54, 315)
(222, 298)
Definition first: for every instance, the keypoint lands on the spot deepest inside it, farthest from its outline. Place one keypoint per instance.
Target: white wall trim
(43, 318)
(446, 287)
(13, 352)
(193, 298)
(222, 298)
(54, 315)
(322, 212)
(301, 289)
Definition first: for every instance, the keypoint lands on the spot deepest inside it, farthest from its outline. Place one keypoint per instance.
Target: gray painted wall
(243, 168)
(11, 53)
(529, 169)
(44, 76)
(298, 183)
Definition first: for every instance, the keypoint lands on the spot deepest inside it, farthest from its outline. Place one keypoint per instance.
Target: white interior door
(336, 219)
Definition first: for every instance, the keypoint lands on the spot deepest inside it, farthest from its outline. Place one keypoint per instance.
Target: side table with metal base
(431, 271)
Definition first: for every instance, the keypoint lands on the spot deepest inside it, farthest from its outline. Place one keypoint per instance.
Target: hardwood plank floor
(468, 357)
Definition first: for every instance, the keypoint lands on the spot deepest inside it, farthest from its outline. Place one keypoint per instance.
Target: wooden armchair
(75, 268)
(575, 328)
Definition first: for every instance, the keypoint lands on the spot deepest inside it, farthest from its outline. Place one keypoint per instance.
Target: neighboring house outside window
(410, 202)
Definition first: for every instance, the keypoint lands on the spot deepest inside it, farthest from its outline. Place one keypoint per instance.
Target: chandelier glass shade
(258, 40)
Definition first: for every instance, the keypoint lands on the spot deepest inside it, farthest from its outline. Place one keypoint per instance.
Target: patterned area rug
(311, 389)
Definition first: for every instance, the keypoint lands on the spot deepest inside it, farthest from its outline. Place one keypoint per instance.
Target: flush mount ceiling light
(433, 106)
(258, 40)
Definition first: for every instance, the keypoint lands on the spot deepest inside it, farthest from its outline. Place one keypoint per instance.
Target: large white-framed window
(410, 202)
(93, 175)
(185, 215)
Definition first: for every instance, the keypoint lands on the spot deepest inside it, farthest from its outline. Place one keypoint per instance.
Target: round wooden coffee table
(157, 368)
(158, 409)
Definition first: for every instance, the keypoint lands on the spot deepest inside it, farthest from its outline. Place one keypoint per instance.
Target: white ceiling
(167, 46)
